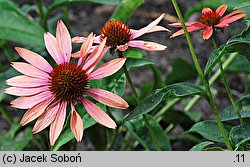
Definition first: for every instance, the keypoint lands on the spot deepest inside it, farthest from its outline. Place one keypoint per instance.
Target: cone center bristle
(68, 81)
(116, 32)
(210, 18)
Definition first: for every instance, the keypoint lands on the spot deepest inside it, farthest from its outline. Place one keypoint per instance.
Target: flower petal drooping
(46, 118)
(97, 114)
(76, 124)
(57, 125)
(107, 98)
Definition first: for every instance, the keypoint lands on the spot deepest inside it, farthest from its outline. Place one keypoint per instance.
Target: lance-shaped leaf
(16, 26)
(210, 130)
(178, 90)
(244, 107)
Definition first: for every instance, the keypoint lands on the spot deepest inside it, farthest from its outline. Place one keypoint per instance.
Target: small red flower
(209, 20)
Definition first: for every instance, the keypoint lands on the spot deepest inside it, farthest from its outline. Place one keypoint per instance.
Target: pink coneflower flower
(120, 36)
(46, 91)
(209, 20)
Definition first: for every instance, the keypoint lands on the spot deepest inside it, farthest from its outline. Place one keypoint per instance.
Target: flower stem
(211, 81)
(229, 92)
(152, 134)
(205, 83)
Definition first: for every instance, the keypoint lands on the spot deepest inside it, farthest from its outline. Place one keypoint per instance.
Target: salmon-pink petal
(25, 81)
(97, 114)
(232, 19)
(122, 48)
(148, 46)
(95, 56)
(205, 10)
(221, 10)
(107, 69)
(27, 102)
(146, 29)
(34, 59)
(25, 91)
(85, 48)
(35, 111)
(181, 32)
(57, 125)
(207, 33)
(53, 48)
(231, 14)
(221, 25)
(158, 28)
(46, 118)
(91, 68)
(179, 24)
(78, 39)
(107, 98)
(76, 124)
(78, 53)
(29, 70)
(154, 29)
(198, 25)
(64, 40)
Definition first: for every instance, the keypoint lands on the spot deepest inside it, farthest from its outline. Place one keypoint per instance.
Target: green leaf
(16, 26)
(146, 90)
(213, 149)
(243, 145)
(210, 130)
(239, 133)
(171, 91)
(244, 107)
(13, 141)
(132, 63)
(201, 146)
(182, 71)
(58, 3)
(140, 132)
(240, 43)
(66, 134)
(125, 9)
(133, 53)
(240, 64)
(117, 84)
